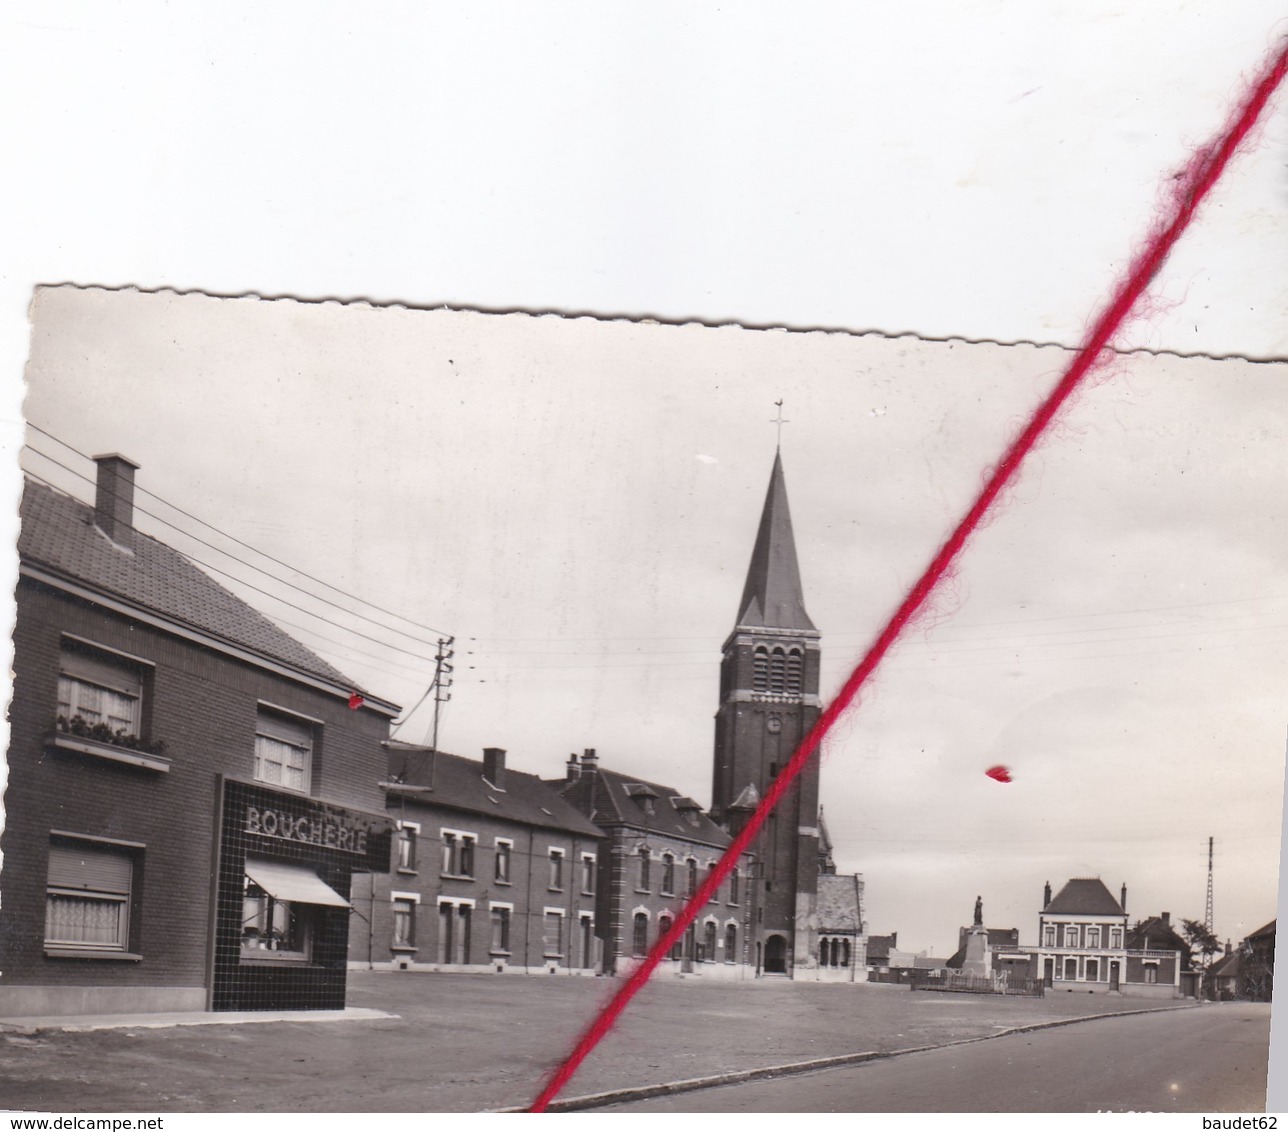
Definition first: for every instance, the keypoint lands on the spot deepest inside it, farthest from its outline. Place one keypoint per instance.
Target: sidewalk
(460, 1043)
(79, 1023)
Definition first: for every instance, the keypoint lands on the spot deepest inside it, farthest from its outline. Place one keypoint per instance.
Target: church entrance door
(775, 955)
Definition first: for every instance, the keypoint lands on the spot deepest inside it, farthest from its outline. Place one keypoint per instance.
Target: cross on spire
(779, 421)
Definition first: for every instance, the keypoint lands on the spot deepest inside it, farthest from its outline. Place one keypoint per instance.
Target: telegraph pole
(1207, 913)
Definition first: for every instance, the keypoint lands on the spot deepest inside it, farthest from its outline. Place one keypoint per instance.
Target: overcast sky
(575, 502)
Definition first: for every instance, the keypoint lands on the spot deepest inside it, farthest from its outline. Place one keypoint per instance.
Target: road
(1207, 1060)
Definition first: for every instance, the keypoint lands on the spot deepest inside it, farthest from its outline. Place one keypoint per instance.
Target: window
(283, 752)
(709, 942)
(454, 922)
(406, 847)
(404, 923)
(101, 689)
(1070, 969)
(639, 940)
(273, 928)
(458, 853)
(503, 851)
(668, 875)
(645, 871)
(556, 869)
(664, 923)
(760, 669)
(1070, 936)
(587, 874)
(845, 953)
(1151, 973)
(692, 867)
(733, 885)
(1093, 970)
(731, 943)
(1115, 937)
(1048, 936)
(778, 671)
(1093, 937)
(552, 934)
(500, 944)
(87, 903)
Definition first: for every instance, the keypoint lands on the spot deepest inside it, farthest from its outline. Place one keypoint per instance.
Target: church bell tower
(768, 702)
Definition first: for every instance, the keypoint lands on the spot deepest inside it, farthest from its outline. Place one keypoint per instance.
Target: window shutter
(90, 869)
(119, 678)
(284, 730)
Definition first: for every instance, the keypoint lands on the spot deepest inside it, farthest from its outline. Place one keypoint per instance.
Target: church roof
(1085, 895)
(772, 596)
(837, 905)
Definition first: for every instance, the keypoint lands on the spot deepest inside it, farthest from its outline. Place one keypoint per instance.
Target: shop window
(406, 847)
(639, 940)
(404, 923)
(709, 941)
(500, 943)
(668, 875)
(503, 851)
(587, 874)
(552, 934)
(283, 752)
(731, 943)
(646, 868)
(104, 692)
(556, 870)
(273, 928)
(458, 854)
(87, 902)
(733, 885)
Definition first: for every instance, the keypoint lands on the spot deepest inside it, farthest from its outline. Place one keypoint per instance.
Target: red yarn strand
(1195, 182)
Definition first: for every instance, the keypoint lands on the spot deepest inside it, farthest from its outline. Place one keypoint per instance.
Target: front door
(776, 955)
(1113, 974)
(1048, 972)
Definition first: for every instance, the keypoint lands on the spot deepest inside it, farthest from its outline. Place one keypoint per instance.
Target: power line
(251, 566)
(240, 542)
(273, 596)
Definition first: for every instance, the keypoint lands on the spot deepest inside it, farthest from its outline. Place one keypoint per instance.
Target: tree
(1204, 946)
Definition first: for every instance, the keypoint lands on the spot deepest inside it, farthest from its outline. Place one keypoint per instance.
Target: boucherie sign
(333, 829)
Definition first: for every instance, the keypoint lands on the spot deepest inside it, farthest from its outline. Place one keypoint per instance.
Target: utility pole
(1207, 912)
(443, 669)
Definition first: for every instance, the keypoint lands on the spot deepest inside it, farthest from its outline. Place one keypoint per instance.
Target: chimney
(589, 761)
(1046, 894)
(574, 771)
(1123, 899)
(1166, 917)
(114, 497)
(494, 766)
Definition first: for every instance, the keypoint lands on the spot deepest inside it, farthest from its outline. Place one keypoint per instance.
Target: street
(1207, 1060)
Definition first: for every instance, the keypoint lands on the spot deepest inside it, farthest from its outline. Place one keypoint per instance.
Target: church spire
(772, 596)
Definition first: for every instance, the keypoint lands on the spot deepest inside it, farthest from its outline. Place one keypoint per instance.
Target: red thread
(1193, 185)
(999, 774)
(356, 701)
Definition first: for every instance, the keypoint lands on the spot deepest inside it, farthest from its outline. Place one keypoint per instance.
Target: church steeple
(772, 597)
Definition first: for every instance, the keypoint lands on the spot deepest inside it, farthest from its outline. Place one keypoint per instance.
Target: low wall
(39, 1002)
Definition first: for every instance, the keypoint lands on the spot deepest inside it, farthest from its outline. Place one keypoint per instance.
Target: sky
(575, 501)
(960, 169)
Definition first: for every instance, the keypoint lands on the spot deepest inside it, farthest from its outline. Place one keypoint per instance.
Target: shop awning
(292, 882)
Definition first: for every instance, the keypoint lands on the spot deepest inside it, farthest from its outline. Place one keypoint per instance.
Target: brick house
(190, 789)
(658, 847)
(1083, 947)
(491, 870)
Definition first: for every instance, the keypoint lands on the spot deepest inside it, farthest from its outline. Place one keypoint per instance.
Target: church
(808, 921)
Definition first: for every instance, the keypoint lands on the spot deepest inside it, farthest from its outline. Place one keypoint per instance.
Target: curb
(793, 1068)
